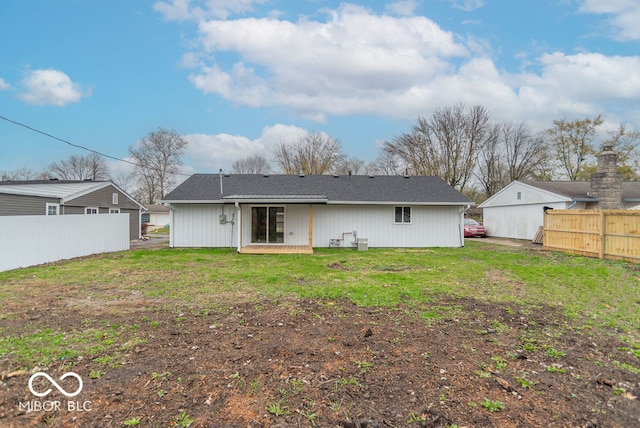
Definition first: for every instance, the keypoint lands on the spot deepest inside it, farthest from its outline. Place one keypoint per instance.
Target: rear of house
(252, 212)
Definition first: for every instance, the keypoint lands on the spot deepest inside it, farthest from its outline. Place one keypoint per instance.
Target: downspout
(239, 211)
(461, 225)
(572, 204)
(171, 226)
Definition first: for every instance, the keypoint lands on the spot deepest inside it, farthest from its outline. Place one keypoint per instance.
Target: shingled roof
(580, 190)
(350, 189)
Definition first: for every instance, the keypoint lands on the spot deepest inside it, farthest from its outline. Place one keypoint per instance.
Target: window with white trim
(114, 210)
(402, 215)
(91, 210)
(52, 209)
(114, 198)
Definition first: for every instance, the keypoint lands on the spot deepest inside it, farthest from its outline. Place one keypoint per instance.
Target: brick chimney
(606, 183)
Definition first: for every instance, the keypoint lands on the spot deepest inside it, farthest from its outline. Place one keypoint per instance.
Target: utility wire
(30, 128)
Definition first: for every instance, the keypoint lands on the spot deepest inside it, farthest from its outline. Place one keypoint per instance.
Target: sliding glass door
(267, 225)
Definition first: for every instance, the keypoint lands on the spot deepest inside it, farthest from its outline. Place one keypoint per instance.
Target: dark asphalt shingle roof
(581, 189)
(355, 188)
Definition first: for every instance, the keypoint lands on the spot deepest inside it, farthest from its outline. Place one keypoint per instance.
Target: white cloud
(344, 65)
(221, 150)
(182, 10)
(51, 87)
(402, 7)
(625, 15)
(357, 62)
(467, 5)
(4, 85)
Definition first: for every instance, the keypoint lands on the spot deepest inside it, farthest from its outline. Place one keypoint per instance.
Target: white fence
(32, 240)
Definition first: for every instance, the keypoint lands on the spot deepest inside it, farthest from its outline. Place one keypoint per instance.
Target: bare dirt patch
(331, 364)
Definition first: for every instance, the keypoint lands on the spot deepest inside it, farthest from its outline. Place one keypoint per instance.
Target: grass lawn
(101, 314)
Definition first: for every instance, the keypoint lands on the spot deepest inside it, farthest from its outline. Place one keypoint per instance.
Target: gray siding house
(56, 197)
(289, 213)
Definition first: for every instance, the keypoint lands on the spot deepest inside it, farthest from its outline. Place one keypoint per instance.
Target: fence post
(602, 234)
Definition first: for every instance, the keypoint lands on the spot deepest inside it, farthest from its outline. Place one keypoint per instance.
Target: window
(519, 195)
(91, 210)
(114, 210)
(146, 218)
(52, 209)
(403, 215)
(114, 199)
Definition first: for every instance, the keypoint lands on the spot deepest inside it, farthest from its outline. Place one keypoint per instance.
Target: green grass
(598, 293)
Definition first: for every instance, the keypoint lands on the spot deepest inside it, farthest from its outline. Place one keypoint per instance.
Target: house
(57, 197)
(291, 213)
(517, 210)
(156, 217)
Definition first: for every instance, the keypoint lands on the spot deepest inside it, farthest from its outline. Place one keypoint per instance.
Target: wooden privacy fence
(611, 234)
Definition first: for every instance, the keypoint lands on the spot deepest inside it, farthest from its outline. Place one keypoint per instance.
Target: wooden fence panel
(603, 234)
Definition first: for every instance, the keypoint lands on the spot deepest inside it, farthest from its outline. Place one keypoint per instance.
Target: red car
(473, 228)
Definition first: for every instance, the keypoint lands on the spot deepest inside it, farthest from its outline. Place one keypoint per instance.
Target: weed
(132, 422)
(255, 385)
(499, 363)
(277, 410)
(96, 374)
(348, 381)
(492, 405)
(523, 381)
(183, 420)
(415, 418)
(482, 374)
(154, 324)
(552, 352)
(626, 366)
(161, 393)
(364, 365)
(161, 376)
(555, 369)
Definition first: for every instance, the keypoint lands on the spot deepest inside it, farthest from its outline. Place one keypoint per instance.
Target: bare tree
(512, 153)
(571, 142)
(255, 164)
(446, 144)
(158, 157)
(315, 154)
(385, 164)
(349, 165)
(24, 173)
(90, 167)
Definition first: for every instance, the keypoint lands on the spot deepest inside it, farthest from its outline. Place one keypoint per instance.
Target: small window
(53, 209)
(146, 218)
(403, 215)
(114, 199)
(519, 195)
(114, 210)
(91, 210)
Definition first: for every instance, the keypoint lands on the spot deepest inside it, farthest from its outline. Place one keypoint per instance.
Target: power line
(30, 128)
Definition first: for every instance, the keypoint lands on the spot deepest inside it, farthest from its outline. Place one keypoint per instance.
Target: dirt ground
(300, 363)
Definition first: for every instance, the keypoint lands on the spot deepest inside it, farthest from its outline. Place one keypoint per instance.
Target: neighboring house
(157, 216)
(57, 197)
(517, 211)
(291, 213)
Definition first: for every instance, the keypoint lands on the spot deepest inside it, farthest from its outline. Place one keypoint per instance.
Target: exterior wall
(431, 226)
(32, 240)
(24, 205)
(198, 225)
(103, 198)
(517, 221)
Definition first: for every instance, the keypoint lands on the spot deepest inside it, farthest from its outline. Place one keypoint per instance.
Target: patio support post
(310, 226)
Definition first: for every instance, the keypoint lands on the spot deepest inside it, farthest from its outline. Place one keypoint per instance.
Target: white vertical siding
(430, 226)
(32, 240)
(198, 225)
(516, 221)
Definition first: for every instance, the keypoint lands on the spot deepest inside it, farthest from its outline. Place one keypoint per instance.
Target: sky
(237, 77)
